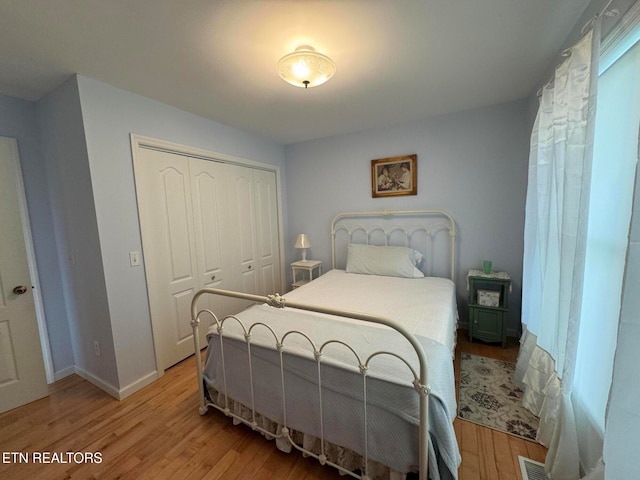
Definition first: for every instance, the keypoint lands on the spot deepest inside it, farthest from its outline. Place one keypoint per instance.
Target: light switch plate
(134, 259)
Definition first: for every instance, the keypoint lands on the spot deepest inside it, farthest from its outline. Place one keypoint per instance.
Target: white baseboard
(65, 372)
(137, 385)
(120, 394)
(98, 382)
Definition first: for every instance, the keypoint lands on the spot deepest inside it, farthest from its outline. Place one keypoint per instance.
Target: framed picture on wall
(394, 176)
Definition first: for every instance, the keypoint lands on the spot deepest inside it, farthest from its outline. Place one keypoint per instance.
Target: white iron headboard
(431, 232)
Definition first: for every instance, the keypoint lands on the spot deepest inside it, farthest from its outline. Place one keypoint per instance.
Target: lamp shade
(303, 241)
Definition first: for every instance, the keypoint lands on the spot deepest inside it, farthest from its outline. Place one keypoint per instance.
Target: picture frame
(394, 176)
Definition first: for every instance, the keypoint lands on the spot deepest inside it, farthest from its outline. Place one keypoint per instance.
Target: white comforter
(392, 401)
(424, 306)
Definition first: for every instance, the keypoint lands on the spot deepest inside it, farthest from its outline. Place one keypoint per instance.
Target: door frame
(14, 159)
(139, 142)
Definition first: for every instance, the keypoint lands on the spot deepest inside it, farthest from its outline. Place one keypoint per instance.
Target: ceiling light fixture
(305, 67)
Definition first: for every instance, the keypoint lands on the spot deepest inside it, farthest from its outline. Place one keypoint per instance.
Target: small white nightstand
(305, 266)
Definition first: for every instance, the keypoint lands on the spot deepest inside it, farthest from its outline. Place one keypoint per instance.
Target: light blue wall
(76, 233)
(110, 115)
(472, 164)
(18, 120)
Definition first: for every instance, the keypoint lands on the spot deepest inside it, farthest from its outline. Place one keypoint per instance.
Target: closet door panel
(208, 181)
(166, 217)
(174, 215)
(205, 224)
(268, 245)
(208, 204)
(242, 226)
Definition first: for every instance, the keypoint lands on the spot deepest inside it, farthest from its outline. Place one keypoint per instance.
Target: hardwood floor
(488, 454)
(157, 433)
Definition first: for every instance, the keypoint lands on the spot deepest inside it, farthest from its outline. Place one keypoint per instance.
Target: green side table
(488, 305)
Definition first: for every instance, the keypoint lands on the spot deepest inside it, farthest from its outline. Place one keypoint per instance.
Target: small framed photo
(394, 176)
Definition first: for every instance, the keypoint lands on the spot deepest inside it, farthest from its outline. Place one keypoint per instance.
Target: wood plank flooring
(157, 433)
(488, 454)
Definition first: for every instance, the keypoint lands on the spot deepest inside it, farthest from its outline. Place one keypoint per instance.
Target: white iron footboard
(419, 380)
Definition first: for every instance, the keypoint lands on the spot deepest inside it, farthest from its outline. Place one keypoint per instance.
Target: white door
(213, 241)
(204, 224)
(267, 232)
(163, 185)
(22, 375)
(242, 227)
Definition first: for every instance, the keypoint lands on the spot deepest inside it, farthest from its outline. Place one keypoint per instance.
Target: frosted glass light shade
(303, 242)
(305, 67)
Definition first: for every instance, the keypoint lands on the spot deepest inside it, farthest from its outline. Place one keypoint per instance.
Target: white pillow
(388, 261)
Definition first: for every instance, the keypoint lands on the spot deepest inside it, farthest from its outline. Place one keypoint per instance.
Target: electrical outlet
(134, 259)
(96, 347)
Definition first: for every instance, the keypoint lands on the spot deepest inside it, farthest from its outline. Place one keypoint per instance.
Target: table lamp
(303, 242)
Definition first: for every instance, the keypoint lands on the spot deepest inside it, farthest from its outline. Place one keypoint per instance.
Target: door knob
(20, 290)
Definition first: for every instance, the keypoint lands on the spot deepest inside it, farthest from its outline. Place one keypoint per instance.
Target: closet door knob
(20, 290)
(213, 277)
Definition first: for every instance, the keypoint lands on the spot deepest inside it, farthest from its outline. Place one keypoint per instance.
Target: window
(613, 172)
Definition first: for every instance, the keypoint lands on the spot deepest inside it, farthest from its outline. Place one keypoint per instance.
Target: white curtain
(554, 251)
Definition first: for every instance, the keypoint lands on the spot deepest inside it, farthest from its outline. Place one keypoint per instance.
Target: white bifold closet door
(204, 224)
(254, 219)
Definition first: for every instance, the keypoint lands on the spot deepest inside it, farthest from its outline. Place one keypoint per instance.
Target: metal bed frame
(419, 379)
(429, 231)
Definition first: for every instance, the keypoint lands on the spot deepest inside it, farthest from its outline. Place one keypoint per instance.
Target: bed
(354, 368)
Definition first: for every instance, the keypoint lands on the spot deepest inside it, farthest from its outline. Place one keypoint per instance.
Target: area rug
(488, 396)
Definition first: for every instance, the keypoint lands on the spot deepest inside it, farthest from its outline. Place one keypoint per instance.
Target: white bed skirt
(344, 457)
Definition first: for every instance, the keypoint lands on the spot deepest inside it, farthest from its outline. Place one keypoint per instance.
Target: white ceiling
(397, 60)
